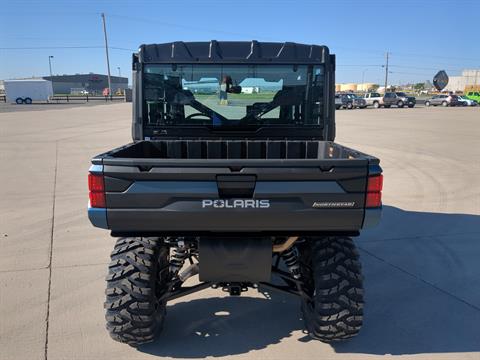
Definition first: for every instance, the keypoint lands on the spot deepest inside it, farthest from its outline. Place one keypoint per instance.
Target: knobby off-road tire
(332, 274)
(137, 277)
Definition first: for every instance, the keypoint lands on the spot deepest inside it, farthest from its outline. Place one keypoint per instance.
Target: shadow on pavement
(422, 285)
(225, 326)
(422, 280)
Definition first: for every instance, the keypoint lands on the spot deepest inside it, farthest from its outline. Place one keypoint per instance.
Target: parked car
(473, 95)
(373, 99)
(358, 102)
(338, 102)
(466, 101)
(342, 101)
(410, 101)
(444, 100)
(391, 98)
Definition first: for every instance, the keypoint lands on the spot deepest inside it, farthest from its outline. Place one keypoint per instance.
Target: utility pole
(106, 52)
(50, 57)
(363, 76)
(386, 72)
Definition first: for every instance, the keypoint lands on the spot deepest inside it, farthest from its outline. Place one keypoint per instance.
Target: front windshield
(233, 95)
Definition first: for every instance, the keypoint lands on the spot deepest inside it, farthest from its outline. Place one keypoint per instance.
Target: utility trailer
(27, 91)
(245, 190)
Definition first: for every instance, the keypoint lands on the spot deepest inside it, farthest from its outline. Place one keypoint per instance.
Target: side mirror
(235, 89)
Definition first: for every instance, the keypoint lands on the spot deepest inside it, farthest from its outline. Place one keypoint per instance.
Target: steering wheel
(191, 116)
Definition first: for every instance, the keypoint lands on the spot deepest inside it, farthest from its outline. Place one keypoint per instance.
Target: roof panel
(233, 52)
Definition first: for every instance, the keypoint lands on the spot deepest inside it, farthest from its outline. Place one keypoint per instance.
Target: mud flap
(235, 259)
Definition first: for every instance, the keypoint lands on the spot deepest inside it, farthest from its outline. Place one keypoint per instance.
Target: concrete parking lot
(421, 265)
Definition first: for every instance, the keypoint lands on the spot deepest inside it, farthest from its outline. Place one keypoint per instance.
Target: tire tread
(337, 309)
(133, 315)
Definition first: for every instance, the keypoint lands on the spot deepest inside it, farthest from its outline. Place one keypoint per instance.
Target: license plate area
(235, 259)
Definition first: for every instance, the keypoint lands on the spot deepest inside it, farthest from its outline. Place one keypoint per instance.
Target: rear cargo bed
(235, 149)
(196, 186)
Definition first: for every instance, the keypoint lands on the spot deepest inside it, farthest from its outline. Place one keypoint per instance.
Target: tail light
(96, 188)
(374, 191)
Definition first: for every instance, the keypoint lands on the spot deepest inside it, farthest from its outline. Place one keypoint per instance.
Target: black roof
(253, 52)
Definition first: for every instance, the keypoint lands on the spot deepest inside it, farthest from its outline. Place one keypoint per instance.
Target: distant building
(355, 87)
(459, 83)
(93, 83)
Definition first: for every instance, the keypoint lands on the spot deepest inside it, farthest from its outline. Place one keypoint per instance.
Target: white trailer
(27, 91)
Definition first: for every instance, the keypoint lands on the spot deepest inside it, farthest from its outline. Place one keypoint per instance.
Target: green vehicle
(473, 95)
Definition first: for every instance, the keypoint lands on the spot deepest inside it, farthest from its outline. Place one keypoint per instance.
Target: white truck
(27, 91)
(373, 99)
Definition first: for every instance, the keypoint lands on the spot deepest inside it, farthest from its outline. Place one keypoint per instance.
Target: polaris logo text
(236, 204)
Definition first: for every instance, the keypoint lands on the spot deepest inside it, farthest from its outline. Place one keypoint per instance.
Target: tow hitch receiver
(231, 260)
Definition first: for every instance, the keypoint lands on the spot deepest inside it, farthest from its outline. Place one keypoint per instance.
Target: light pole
(363, 76)
(386, 71)
(119, 72)
(106, 53)
(50, 57)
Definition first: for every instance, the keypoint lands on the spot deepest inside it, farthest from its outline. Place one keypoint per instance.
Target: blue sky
(422, 36)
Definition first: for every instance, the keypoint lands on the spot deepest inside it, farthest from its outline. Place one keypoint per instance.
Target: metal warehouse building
(93, 83)
(460, 83)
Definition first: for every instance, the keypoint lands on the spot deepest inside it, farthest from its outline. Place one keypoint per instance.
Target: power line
(189, 27)
(50, 47)
(65, 47)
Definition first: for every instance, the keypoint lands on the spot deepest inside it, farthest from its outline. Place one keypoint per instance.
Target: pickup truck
(373, 99)
(245, 190)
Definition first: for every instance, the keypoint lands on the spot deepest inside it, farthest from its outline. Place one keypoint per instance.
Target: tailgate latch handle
(236, 186)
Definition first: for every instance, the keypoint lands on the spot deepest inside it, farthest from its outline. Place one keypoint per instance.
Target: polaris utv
(233, 176)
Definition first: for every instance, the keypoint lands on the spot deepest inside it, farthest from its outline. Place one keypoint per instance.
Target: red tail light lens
(375, 183)
(374, 200)
(97, 199)
(96, 187)
(374, 191)
(95, 182)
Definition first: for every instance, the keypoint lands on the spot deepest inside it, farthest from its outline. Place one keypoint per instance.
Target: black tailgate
(191, 196)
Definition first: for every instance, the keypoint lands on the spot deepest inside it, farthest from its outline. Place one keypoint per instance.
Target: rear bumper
(98, 217)
(251, 221)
